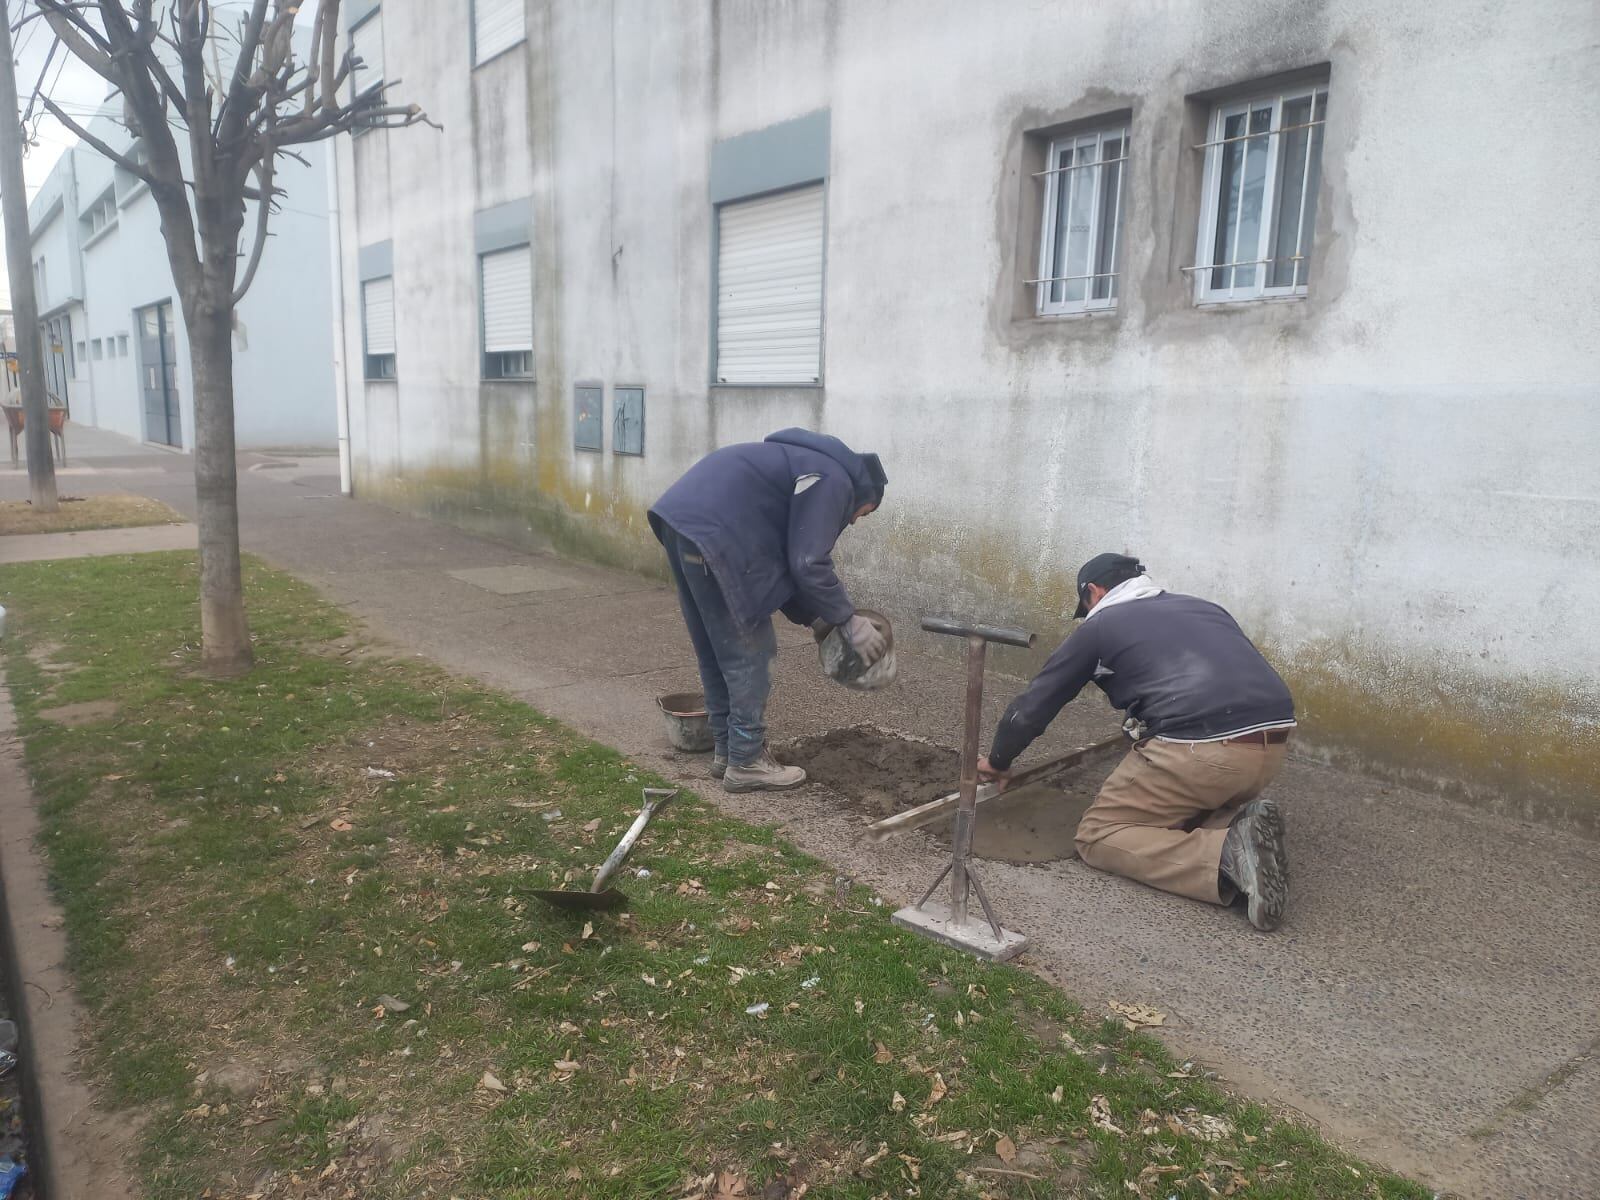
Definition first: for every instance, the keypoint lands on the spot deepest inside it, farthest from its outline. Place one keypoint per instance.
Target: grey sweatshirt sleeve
(816, 517)
(1066, 673)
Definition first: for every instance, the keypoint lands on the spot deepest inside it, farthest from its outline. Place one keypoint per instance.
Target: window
(497, 25)
(366, 46)
(1082, 231)
(769, 289)
(97, 347)
(506, 288)
(122, 345)
(102, 213)
(1262, 172)
(377, 310)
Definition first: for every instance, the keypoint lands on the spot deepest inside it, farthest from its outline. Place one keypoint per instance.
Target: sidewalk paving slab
(92, 543)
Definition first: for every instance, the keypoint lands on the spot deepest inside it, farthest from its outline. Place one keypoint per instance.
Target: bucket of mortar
(844, 665)
(688, 727)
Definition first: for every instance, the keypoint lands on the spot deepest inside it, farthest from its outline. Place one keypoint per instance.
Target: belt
(1261, 737)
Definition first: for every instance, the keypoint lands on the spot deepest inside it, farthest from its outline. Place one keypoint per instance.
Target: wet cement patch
(881, 774)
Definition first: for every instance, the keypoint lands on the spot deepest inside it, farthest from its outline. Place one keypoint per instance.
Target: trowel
(599, 896)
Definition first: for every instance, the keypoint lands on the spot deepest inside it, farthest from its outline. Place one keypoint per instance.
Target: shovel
(595, 898)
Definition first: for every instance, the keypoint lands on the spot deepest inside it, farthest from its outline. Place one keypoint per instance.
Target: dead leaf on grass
(591, 826)
(1100, 1115)
(490, 1083)
(567, 1065)
(1005, 1150)
(898, 1104)
(1057, 1095)
(883, 1056)
(876, 1157)
(340, 825)
(731, 1186)
(588, 930)
(939, 1090)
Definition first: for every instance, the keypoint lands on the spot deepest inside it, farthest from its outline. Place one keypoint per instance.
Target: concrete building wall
(1390, 481)
(283, 340)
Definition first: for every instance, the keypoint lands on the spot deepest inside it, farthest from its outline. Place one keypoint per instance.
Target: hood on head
(865, 470)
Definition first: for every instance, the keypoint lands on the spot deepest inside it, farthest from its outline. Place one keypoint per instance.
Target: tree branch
(122, 160)
(75, 33)
(263, 206)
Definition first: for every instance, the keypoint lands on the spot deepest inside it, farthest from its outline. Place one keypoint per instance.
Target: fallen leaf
(1005, 1150)
(1056, 1096)
(566, 1064)
(883, 1056)
(490, 1083)
(1212, 1129)
(591, 826)
(393, 1004)
(731, 1186)
(340, 825)
(1135, 1016)
(588, 930)
(939, 1091)
(875, 1158)
(898, 1104)
(529, 947)
(1100, 1115)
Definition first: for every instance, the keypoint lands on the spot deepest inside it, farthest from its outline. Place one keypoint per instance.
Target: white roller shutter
(496, 25)
(366, 43)
(769, 289)
(377, 298)
(508, 300)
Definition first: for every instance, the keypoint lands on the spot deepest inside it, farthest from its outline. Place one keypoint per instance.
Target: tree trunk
(25, 305)
(224, 632)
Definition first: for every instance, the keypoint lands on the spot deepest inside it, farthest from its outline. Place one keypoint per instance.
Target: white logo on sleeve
(804, 482)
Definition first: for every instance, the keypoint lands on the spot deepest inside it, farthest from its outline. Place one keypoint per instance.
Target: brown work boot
(719, 766)
(764, 774)
(1253, 859)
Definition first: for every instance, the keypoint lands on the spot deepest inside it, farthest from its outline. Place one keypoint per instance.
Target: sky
(70, 84)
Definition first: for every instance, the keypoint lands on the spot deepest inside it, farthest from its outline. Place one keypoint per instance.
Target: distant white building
(115, 347)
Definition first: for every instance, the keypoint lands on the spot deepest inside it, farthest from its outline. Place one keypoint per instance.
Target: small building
(116, 353)
(1218, 284)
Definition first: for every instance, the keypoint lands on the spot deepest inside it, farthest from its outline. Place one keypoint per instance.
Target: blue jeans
(735, 663)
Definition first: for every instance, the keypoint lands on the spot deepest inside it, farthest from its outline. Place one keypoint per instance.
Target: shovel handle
(654, 798)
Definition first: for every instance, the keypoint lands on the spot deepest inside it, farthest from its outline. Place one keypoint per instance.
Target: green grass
(240, 891)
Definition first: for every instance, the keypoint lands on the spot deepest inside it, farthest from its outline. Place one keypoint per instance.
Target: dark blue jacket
(1179, 664)
(766, 515)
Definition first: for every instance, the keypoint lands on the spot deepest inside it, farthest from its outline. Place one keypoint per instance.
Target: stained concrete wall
(1391, 482)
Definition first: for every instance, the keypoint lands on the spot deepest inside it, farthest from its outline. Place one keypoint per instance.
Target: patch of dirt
(1032, 1161)
(402, 745)
(85, 713)
(43, 656)
(114, 510)
(877, 772)
(881, 774)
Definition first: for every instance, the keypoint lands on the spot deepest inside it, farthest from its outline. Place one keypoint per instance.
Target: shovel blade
(584, 901)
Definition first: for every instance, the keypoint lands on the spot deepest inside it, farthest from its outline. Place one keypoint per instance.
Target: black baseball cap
(1099, 569)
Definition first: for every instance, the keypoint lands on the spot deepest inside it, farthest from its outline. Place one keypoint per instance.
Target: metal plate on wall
(627, 420)
(588, 408)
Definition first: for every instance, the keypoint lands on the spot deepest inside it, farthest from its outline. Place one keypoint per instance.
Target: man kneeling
(1211, 722)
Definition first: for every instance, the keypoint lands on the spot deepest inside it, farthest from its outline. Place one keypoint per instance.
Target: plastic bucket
(688, 727)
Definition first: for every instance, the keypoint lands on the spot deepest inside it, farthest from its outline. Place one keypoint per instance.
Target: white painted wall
(283, 340)
(1392, 483)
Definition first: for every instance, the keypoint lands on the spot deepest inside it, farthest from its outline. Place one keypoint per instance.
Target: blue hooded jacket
(765, 516)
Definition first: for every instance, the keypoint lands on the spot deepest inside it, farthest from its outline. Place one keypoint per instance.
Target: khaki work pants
(1162, 815)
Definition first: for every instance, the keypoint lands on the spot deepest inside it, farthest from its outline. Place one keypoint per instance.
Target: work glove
(865, 638)
(820, 630)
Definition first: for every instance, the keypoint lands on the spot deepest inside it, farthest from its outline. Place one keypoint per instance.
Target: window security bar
(1247, 137)
(1254, 262)
(1103, 162)
(1069, 278)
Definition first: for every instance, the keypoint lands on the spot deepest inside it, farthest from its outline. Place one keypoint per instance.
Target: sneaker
(765, 774)
(1253, 858)
(718, 767)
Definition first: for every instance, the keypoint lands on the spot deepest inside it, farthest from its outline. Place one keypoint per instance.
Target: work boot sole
(1263, 864)
(761, 783)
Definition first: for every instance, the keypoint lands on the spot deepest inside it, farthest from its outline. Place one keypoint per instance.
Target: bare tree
(213, 105)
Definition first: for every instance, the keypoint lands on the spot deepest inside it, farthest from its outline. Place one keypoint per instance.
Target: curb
(79, 1152)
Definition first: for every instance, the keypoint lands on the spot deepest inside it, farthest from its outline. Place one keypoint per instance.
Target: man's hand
(990, 774)
(865, 638)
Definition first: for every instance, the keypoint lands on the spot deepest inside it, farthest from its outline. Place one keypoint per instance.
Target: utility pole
(19, 264)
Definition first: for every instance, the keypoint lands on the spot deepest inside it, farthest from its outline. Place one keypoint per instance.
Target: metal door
(57, 360)
(158, 375)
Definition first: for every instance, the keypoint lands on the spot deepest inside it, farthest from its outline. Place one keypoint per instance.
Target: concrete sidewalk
(1431, 1001)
